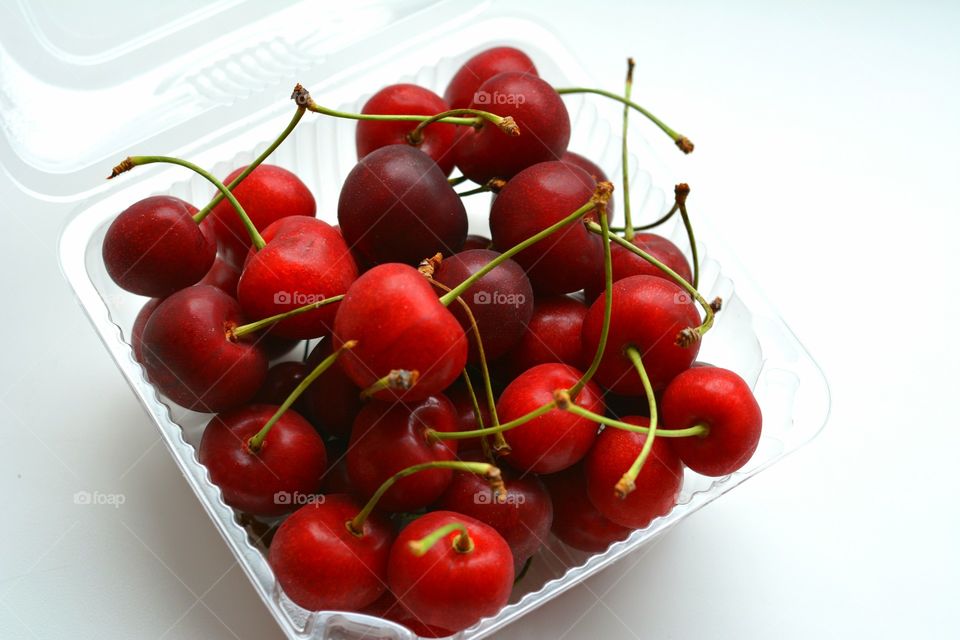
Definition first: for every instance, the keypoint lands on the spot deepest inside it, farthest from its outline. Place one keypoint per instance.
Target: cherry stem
(461, 544)
(457, 180)
(494, 184)
(681, 141)
(644, 227)
(680, 193)
(602, 192)
(698, 430)
(624, 160)
(487, 471)
(506, 426)
(504, 123)
(256, 442)
(484, 444)
(217, 199)
(244, 329)
(628, 482)
(135, 161)
(397, 380)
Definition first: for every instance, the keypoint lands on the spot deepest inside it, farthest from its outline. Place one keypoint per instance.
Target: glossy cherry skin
(268, 194)
(282, 378)
(273, 481)
(552, 335)
(657, 486)
(536, 198)
(557, 439)
(139, 323)
(477, 242)
(397, 206)
(222, 275)
(648, 313)
(523, 519)
(189, 357)
(462, 89)
(389, 437)
(723, 401)
(331, 401)
(626, 263)
(486, 152)
(501, 301)
(305, 260)
(595, 172)
(321, 565)
(407, 99)
(447, 588)
(576, 521)
(154, 248)
(393, 313)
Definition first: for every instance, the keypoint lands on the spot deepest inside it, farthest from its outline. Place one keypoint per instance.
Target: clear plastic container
(242, 104)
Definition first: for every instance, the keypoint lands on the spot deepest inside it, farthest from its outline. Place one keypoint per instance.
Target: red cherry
(486, 152)
(657, 485)
(397, 206)
(558, 438)
(501, 301)
(552, 335)
(282, 378)
(286, 470)
(154, 248)
(626, 263)
(268, 194)
(394, 315)
(321, 565)
(337, 478)
(532, 201)
(406, 99)
(576, 521)
(593, 169)
(463, 86)
(388, 438)
(136, 332)
(222, 275)
(332, 401)
(723, 401)
(190, 357)
(446, 587)
(304, 261)
(477, 242)
(665, 309)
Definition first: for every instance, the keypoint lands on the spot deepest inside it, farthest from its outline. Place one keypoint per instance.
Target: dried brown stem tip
(625, 487)
(495, 480)
(683, 142)
(123, 167)
(509, 126)
(601, 195)
(502, 448)
(402, 379)
(687, 337)
(680, 193)
(428, 266)
(630, 65)
(495, 184)
(716, 305)
(301, 96)
(562, 398)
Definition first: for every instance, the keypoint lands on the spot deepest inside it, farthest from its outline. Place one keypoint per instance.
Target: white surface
(826, 141)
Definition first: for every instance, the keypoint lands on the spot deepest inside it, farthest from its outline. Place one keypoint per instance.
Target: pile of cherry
(468, 396)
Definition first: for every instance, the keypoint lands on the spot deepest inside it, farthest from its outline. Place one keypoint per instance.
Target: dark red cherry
(389, 437)
(501, 301)
(462, 89)
(486, 152)
(332, 401)
(136, 332)
(397, 206)
(657, 485)
(536, 198)
(722, 401)
(576, 521)
(665, 310)
(399, 324)
(305, 260)
(154, 248)
(557, 439)
(406, 99)
(593, 169)
(190, 356)
(552, 335)
(477, 242)
(222, 275)
(284, 473)
(336, 479)
(282, 378)
(626, 263)
(268, 194)
(321, 565)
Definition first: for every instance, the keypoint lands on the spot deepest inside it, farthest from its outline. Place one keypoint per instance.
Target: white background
(827, 143)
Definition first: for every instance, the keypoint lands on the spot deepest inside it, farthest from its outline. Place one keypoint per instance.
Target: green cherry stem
(487, 471)
(681, 191)
(256, 441)
(135, 161)
(244, 329)
(697, 430)
(627, 483)
(504, 123)
(656, 223)
(457, 180)
(484, 443)
(624, 159)
(494, 184)
(682, 142)
(489, 431)
(461, 544)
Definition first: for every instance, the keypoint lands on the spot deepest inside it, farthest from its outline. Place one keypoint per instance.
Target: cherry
(337, 478)
(723, 402)
(332, 401)
(590, 167)
(576, 522)
(304, 261)
(406, 99)
(389, 437)
(282, 378)
(454, 581)
(192, 358)
(459, 395)
(477, 242)
(485, 152)
(393, 313)
(657, 485)
(155, 248)
(501, 301)
(273, 479)
(552, 335)
(268, 194)
(666, 310)
(222, 275)
(626, 263)
(397, 206)
(536, 198)
(557, 439)
(322, 565)
(387, 606)
(139, 323)
(462, 89)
